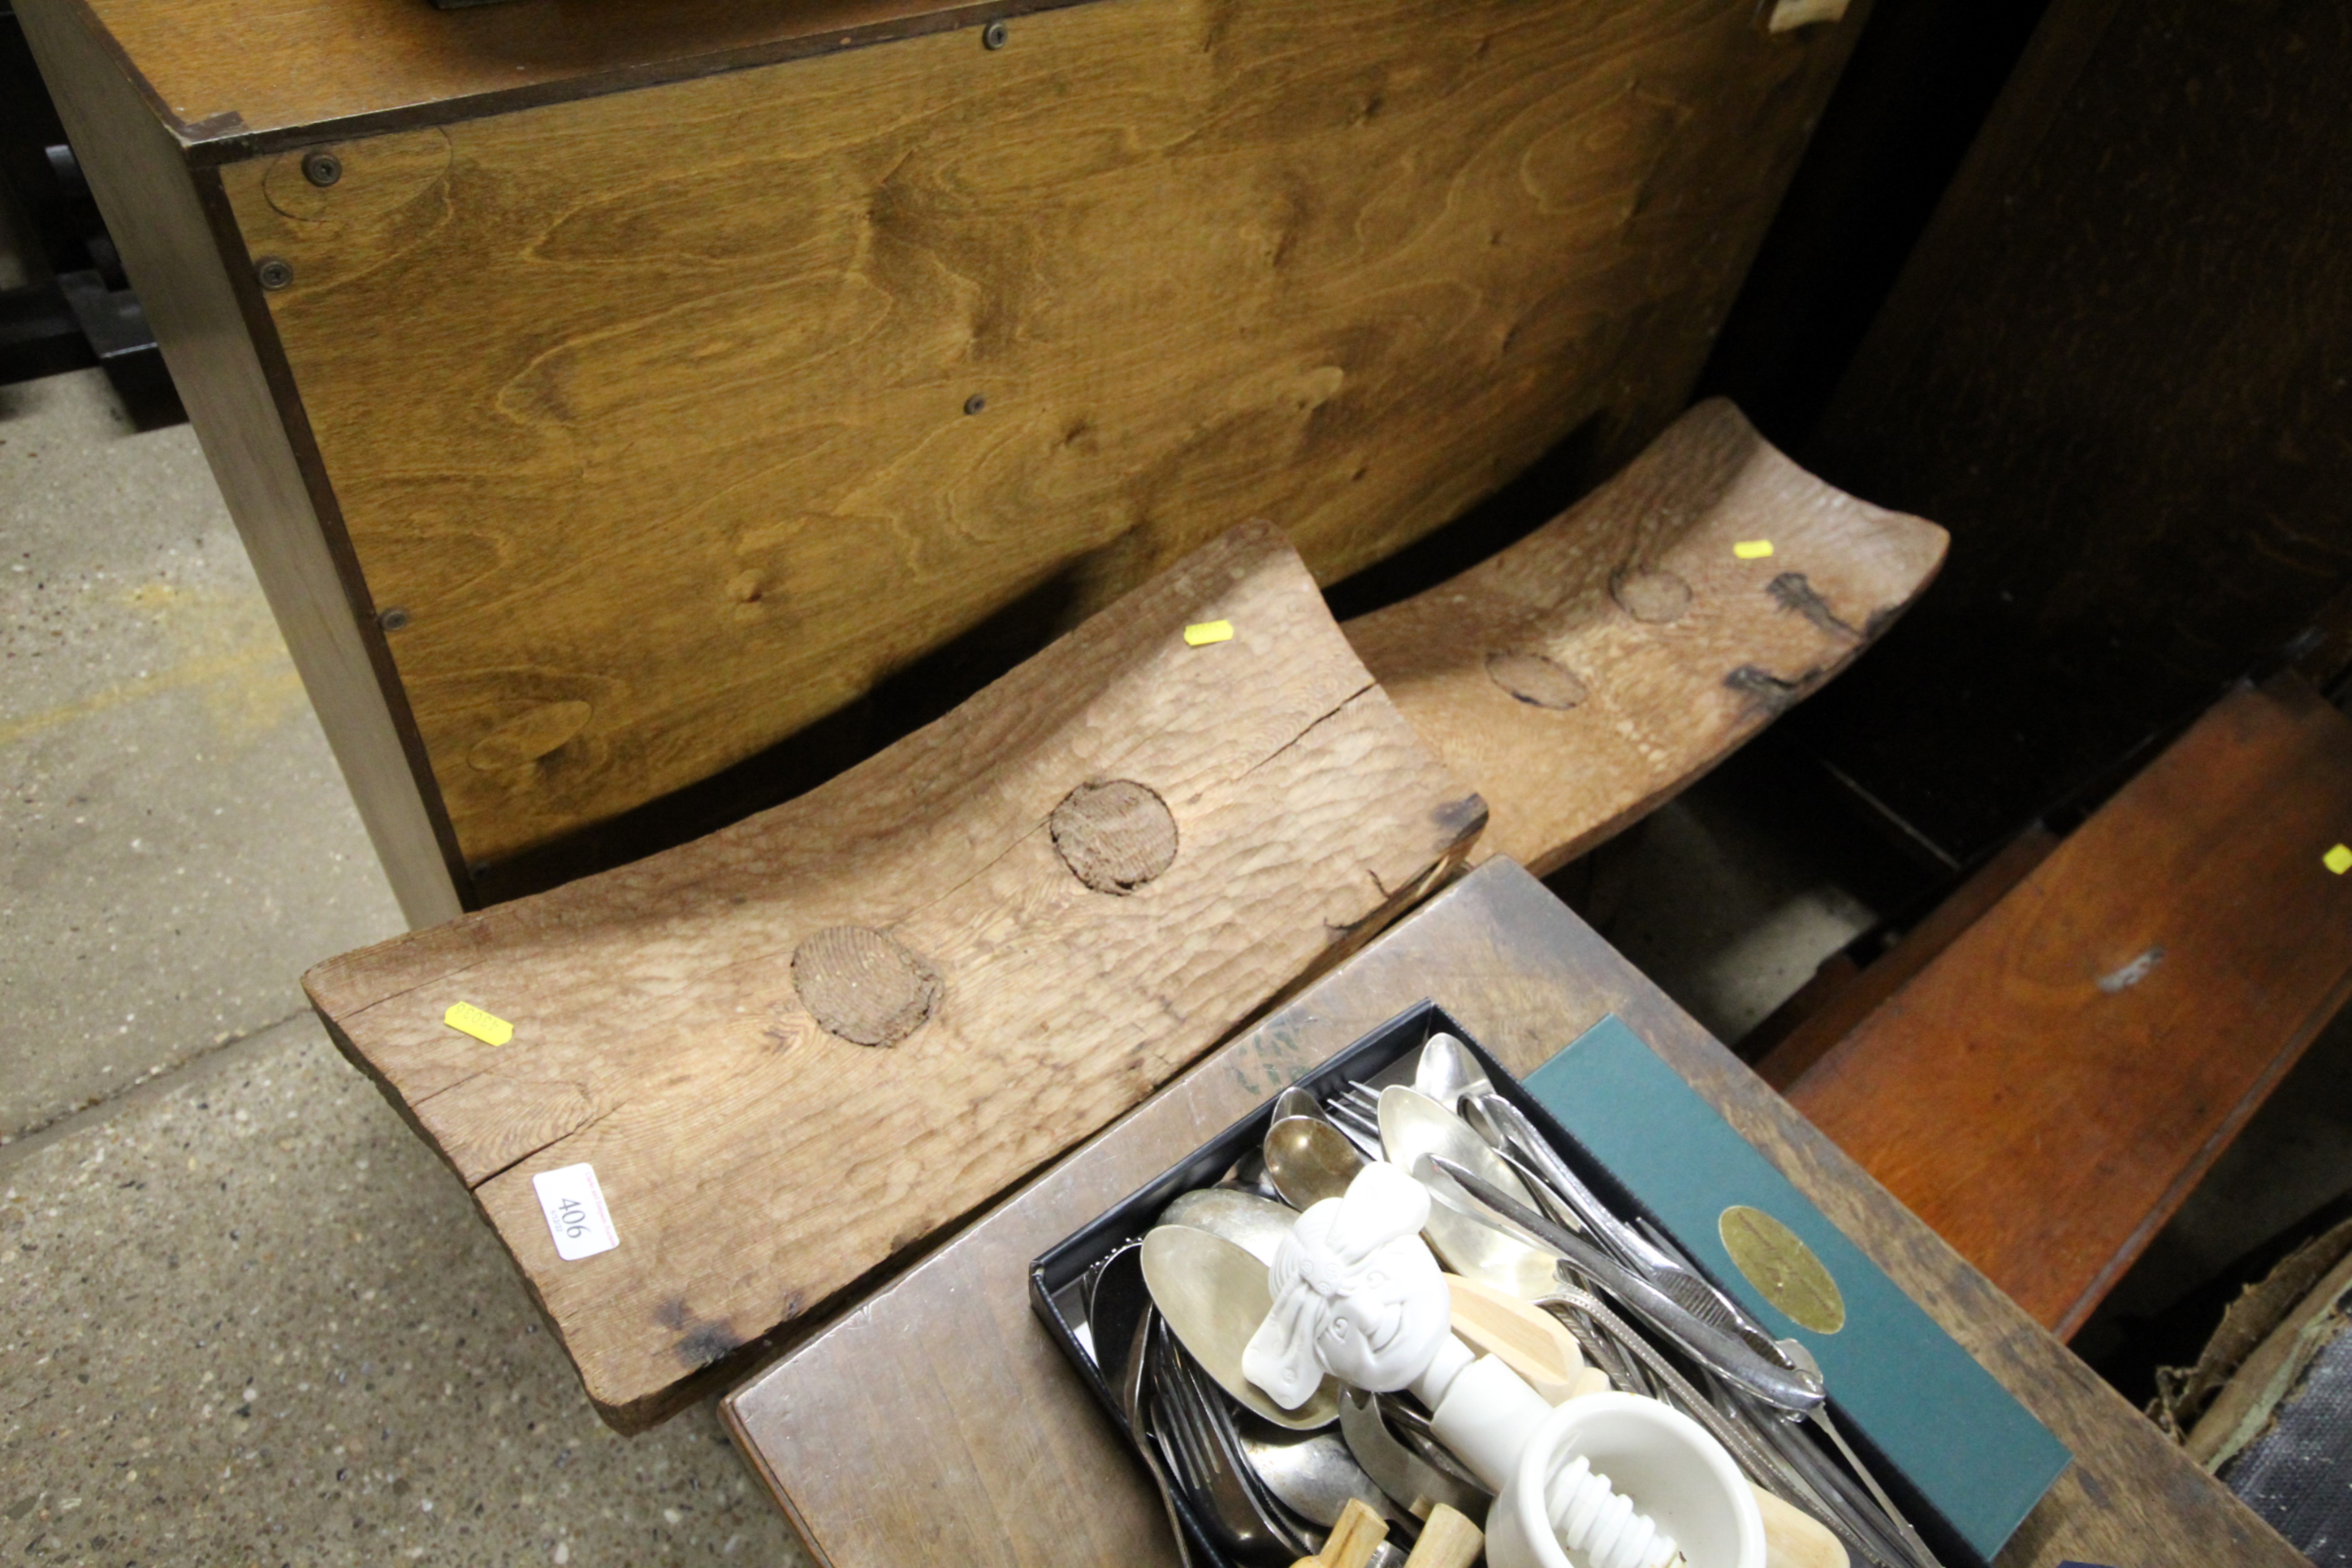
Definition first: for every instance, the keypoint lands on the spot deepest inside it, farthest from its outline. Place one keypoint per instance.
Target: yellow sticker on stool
(468, 1019)
(1203, 633)
(2338, 859)
(1753, 549)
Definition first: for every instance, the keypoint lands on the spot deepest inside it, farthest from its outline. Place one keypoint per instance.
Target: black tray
(1057, 1278)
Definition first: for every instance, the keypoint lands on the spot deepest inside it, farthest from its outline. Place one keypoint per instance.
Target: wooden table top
(937, 1422)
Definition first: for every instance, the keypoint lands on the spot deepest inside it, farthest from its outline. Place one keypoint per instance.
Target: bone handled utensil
(1358, 1297)
(1448, 1540)
(1352, 1541)
(1724, 1352)
(1528, 1340)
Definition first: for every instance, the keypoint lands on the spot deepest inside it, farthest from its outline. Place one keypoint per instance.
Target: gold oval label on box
(1776, 1260)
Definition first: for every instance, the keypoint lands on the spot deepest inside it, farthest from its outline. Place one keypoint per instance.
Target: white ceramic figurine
(1357, 1294)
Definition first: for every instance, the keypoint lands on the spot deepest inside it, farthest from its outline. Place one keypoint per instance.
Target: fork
(1210, 1463)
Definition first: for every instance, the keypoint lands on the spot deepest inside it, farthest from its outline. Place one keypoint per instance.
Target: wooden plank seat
(1047, 902)
(2048, 1089)
(794, 1049)
(1589, 672)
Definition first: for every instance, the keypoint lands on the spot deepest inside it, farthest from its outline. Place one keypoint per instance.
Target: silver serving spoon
(1297, 1101)
(1446, 1072)
(1316, 1476)
(1413, 1125)
(1477, 1247)
(1213, 1295)
(1310, 1160)
(1256, 1225)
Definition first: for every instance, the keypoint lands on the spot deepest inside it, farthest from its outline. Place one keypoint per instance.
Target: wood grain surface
(937, 1422)
(649, 409)
(170, 224)
(1590, 671)
(1856, 996)
(2048, 1089)
(668, 1015)
(233, 83)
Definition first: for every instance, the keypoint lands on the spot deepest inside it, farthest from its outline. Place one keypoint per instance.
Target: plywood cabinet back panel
(649, 410)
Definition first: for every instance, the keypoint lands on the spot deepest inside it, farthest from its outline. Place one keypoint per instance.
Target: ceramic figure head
(1356, 1294)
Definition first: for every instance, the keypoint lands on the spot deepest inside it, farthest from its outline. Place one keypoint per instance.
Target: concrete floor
(246, 1316)
(177, 846)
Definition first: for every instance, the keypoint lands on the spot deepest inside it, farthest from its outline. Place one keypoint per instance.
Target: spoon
(1446, 1072)
(1316, 1476)
(1310, 1160)
(1256, 1225)
(1213, 1295)
(1297, 1101)
(1478, 1250)
(1413, 1125)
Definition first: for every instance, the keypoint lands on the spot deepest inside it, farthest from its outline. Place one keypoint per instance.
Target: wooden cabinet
(607, 392)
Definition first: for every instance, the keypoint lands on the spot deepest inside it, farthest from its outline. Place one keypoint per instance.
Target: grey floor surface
(177, 845)
(246, 1317)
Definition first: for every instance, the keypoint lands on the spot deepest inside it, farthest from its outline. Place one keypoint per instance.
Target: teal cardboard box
(1897, 1382)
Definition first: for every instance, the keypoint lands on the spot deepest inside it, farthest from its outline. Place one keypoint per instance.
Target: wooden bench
(2047, 1089)
(1590, 672)
(1050, 901)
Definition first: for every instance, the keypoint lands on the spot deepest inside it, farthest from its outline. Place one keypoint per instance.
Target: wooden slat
(1593, 669)
(648, 409)
(1829, 1019)
(2049, 1089)
(163, 218)
(938, 1422)
(677, 1027)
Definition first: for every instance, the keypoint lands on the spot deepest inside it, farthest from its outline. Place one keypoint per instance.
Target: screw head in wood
(321, 168)
(992, 36)
(392, 619)
(274, 271)
(974, 404)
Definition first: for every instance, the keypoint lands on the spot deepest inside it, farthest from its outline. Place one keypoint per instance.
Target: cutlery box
(1961, 1456)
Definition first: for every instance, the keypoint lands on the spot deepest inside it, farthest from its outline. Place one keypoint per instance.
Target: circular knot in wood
(1535, 680)
(864, 986)
(1656, 597)
(1115, 837)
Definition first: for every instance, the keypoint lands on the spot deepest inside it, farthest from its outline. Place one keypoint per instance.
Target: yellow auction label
(1753, 549)
(1199, 634)
(1776, 1261)
(468, 1019)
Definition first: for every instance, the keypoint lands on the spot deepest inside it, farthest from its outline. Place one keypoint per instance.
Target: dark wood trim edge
(294, 419)
(158, 216)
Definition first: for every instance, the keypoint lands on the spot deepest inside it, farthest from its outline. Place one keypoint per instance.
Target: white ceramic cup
(1662, 1460)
